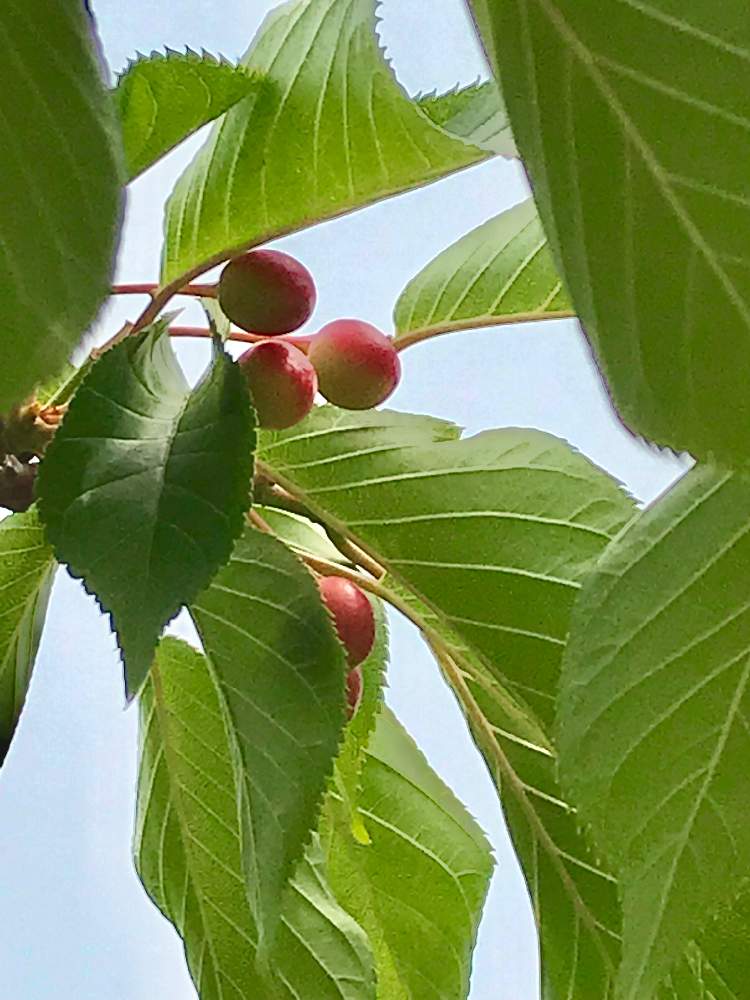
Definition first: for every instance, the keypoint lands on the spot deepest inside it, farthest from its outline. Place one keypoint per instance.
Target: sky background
(76, 922)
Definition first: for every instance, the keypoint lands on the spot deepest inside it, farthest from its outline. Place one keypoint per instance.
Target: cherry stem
(302, 341)
(149, 288)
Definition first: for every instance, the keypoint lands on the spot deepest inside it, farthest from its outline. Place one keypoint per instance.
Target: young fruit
(352, 616)
(267, 291)
(357, 365)
(282, 382)
(354, 685)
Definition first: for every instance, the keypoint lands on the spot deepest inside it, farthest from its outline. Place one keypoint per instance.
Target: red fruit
(352, 616)
(357, 365)
(267, 291)
(282, 382)
(354, 686)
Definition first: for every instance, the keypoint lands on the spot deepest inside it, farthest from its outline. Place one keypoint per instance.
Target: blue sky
(76, 921)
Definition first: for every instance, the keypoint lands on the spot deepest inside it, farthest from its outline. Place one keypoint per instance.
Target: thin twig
(259, 522)
(201, 332)
(149, 288)
(300, 340)
(439, 329)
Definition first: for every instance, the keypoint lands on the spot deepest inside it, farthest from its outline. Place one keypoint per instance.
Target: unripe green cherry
(352, 616)
(357, 365)
(282, 382)
(354, 685)
(267, 291)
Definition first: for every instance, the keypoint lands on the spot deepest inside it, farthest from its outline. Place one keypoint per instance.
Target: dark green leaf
(27, 568)
(419, 886)
(654, 740)
(164, 98)
(144, 487)
(633, 120)
(328, 131)
(187, 849)
(281, 671)
(61, 182)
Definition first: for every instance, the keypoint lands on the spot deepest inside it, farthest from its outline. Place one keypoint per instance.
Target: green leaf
(281, 671)
(486, 542)
(634, 129)
(300, 534)
(656, 684)
(328, 131)
(574, 898)
(501, 272)
(723, 951)
(62, 201)
(476, 114)
(144, 487)
(60, 389)
(163, 98)
(308, 538)
(418, 887)
(218, 321)
(27, 568)
(351, 757)
(495, 531)
(187, 849)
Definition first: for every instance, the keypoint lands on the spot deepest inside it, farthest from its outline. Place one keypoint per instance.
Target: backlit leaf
(328, 131)
(165, 97)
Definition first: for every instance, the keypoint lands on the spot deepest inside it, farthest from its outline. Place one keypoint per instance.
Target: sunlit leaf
(165, 97)
(476, 114)
(501, 272)
(328, 131)
(419, 885)
(486, 542)
(495, 530)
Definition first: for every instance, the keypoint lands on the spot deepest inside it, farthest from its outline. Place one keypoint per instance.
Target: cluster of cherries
(350, 362)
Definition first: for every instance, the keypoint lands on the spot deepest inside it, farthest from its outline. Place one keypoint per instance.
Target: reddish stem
(149, 288)
(134, 289)
(302, 341)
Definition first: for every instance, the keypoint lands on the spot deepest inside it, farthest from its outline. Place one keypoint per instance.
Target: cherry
(354, 684)
(357, 365)
(267, 291)
(282, 382)
(352, 616)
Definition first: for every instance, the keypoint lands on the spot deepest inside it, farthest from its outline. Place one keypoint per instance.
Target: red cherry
(357, 365)
(354, 685)
(282, 382)
(352, 616)
(267, 291)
